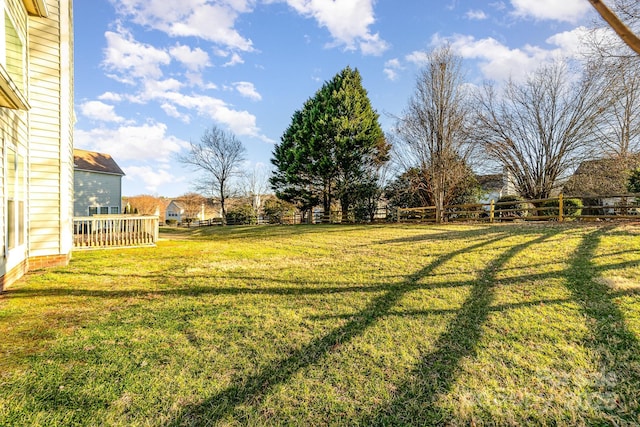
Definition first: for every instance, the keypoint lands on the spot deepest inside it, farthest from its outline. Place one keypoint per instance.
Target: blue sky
(152, 75)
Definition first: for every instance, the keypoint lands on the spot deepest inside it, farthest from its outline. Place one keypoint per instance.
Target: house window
(115, 210)
(104, 210)
(15, 198)
(93, 210)
(14, 51)
(12, 63)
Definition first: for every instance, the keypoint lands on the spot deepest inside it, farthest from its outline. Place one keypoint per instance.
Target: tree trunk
(344, 204)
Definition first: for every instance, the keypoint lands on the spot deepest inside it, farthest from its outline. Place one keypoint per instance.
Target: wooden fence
(107, 231)
(621, 206)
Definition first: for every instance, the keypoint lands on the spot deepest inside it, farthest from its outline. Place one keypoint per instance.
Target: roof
(95, 162)
(493, 182)
(601, 177)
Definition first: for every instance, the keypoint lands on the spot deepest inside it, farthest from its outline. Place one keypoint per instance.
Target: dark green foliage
(277, 210)
(332, 147)
(242, 215)
(513, 207)
(570, 207)
(633, 183)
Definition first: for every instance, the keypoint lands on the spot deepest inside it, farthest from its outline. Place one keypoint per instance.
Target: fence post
(560, 208)
(492, 209)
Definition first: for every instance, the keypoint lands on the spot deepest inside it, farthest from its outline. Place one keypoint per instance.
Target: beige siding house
(36, 127)
(97, 184)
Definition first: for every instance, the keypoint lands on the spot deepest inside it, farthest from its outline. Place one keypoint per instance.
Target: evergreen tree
(332, 146)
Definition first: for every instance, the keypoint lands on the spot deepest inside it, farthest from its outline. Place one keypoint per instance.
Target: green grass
(332, 325)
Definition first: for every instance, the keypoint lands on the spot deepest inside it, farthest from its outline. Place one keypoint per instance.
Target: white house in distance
(97, 184)
(177, 211)
(36, 128)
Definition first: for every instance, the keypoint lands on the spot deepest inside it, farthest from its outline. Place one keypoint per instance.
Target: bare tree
(538, 130)
(145, 204)
(619, 130)
(627, 10)
(218, 155)
(193, 205)
(256, 185)
(434, 128)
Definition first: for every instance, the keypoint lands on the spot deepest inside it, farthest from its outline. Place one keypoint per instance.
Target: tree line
(334, 153)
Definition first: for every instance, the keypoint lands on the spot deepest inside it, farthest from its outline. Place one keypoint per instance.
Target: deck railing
(106, 231)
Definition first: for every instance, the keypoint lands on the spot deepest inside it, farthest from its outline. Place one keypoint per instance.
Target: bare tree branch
(219, 155)
(617, 25)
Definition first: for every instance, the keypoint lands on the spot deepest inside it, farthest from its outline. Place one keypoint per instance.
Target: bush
(513, 207)
(633, 183)
(570, 208)
(242, 215)
(277, 210)
(171, 222)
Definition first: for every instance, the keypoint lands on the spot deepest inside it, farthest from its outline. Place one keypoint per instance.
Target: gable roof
(95, 162)
(601, 177)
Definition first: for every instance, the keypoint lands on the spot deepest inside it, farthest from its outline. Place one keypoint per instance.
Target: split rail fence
(588, 208)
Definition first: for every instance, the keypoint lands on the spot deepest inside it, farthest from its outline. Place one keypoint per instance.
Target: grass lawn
(332, 325)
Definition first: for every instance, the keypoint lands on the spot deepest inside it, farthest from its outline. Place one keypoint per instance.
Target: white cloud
(391, 68)
(209, 20)
(499, 62)
(347, 21)
(142, 143)
(153, 178)
(172, 111)
(131, 60)
(97, 110)
(476, 15)
(248, 90)
(235, 60)
(193, 59)
(418, 57)
(110, 96)
(564, 10)
(496, 61)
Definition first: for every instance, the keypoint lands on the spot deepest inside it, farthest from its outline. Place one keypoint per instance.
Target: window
(14, 53)
(93, 210)
(115, 210)
(12, 63)
(104, 210)
(15, 198)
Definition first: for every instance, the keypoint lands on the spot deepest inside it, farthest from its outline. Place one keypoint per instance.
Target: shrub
(513, 207)
(171, 222)
(242, 215)
(277, 210)
(570, 208)
(633, 183)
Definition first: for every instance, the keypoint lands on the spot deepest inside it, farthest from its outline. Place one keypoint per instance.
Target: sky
(152, 75)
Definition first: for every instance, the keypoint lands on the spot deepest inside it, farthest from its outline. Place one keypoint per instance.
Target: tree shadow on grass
(253, 389)
(617, 395)
(415, 400)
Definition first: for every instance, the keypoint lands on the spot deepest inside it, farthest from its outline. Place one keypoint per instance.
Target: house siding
(51, 135)
(44, 134)
(96, 189)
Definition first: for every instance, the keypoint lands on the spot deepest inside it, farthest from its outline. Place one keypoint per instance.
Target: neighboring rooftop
(601, 177)
(95, 162)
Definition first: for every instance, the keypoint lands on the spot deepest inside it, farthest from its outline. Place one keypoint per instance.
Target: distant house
(174, 212)
(36, 122)
(601, 177)
(97, 184)
(495, 186)
(180, 211)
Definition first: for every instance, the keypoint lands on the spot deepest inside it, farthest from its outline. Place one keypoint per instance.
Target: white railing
(107, 231)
